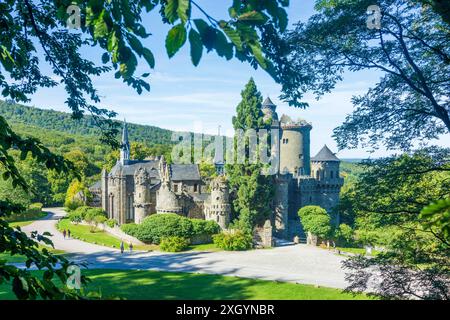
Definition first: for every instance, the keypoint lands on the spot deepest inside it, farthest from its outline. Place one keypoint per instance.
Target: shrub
(100, 219)
(344, 234)
(35, 208)
(91, 213)
(315, 220)
(130, 229)
(111, 223)
(173, 244)
(154, 227)
(82, 210)
(204, 227)
(75, 217)
(73, 204)
(233, 241)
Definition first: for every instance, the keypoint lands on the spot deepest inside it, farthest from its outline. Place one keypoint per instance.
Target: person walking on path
(131, 247)
(68, 233)
(64, 233)
(122, 247)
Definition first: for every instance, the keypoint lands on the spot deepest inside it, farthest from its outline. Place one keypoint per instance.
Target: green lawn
(83, 233)
(148, 285)
(204, 247)
(361, 251)
(20, 258)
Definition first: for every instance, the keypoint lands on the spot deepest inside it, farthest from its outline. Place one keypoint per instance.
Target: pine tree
(252, 190)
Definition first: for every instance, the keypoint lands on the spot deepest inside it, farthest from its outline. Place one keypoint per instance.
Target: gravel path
(291, 263)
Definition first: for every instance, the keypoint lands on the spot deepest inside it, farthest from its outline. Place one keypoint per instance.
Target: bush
(91, 213)
(233, 241)
(34, 208)
(174, 244)
(111, 223)
(130, 229)
(204, 227)
(157, 226)
(315, 220)
(344, 234)
(100, 219)
(75, 217)
(72, 205)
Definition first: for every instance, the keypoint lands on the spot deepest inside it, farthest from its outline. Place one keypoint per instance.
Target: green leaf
(171, 10)
(253, 16)
(196, 46)
(175, 39)
(232, 34)
(182, 10)
(148, 56)
(223, 47)
(257, 52)
(105, 57)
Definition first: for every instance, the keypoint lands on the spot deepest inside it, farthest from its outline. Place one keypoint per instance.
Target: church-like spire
(218, 154)
(125, 147)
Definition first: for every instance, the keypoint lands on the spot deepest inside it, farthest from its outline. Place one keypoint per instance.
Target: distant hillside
(62, 122)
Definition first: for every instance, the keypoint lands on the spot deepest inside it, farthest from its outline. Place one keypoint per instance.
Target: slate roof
(268, 102)
(185, 172)
(325, 154)
(179, 171)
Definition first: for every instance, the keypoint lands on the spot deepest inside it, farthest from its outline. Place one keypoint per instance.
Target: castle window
(317, 174)
(331, 174)
(175, 188)
(195, 187)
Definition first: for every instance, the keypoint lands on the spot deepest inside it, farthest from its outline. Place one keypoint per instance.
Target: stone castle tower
(142, 201)
(219, 208)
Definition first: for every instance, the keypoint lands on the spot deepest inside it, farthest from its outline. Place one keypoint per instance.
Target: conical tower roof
(325, 154)
(268, 103)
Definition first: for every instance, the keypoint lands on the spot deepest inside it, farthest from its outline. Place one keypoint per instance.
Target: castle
(134, 189)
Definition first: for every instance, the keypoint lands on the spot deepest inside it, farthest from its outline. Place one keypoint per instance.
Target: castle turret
(325, 170)
(142, 200)
(268, 109)
(295, 147)
(166, 199)
(125, 146)
(219, 207)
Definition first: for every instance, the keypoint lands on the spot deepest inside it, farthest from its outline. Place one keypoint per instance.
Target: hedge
(158, 226)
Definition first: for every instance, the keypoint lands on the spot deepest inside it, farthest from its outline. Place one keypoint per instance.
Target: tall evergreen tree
(252, 190)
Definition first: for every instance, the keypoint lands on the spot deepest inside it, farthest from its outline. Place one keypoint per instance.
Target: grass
(361, 251)
(17, 258)
(100, 237)
(25, 219)
(204, 247)
(148, 285)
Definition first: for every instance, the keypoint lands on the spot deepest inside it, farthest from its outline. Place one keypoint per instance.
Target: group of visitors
(122, 247)
(66, 233)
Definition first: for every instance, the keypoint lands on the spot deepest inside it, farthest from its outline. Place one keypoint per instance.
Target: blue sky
(188, 98)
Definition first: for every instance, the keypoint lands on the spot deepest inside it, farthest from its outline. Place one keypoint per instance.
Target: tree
(116, 28)
(391, 202)
(410, 50)
(315, 220)
(253, 191)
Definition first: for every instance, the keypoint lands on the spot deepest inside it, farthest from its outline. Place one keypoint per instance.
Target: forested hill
(61, 121)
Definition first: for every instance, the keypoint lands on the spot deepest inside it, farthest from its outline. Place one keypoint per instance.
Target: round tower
(295, 147)
(142, 200)
(219, 207)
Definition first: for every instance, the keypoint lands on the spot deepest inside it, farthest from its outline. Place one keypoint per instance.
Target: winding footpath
(292, 263)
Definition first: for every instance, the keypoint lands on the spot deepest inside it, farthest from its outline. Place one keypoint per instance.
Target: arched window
(331, 174)
(317, 174)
